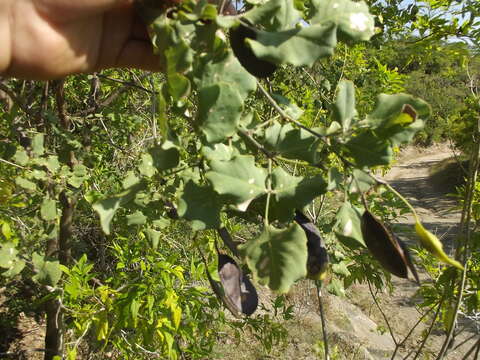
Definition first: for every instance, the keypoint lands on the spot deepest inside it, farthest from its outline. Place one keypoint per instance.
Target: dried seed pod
(317, 261)
(219, 292)
(255, 66)
(237, 287)
(386, 248)
(408, 258)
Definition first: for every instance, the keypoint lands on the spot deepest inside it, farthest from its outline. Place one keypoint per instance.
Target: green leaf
(352, 18)
(159, 158)
(277, 258)
(220, 109)
(21, 157)
(292, 143)
(369, 150)
(363, 181)
(137, 218)
(289, 107)
(404, 134)
(228, 70)
(48, 272)
(220, 152)
(292, 192)
(8, 255)
(200, 205)
(16, 269)
(336, 287)
(37, 145)
(146, 166)
(165, 156)
(274, 15)
(238, 178)
(335, 179)
(107, 208)
(389, 107)
(130, 180)
(341, 269)
(52, 164)
(179, 57)
(154, 237)
(344, 107)
(78, 176)
(178, 86)
(26, 184)
(298, 47)
(348, 226)
(38, 174)
(48, 210)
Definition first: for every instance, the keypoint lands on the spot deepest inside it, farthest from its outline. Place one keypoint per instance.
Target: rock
(348, 326)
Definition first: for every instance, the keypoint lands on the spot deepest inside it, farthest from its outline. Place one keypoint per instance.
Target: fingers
(66, 10)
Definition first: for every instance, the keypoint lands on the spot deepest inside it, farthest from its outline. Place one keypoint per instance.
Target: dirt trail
(410, 177)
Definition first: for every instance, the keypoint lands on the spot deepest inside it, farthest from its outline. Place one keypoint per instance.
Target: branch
(381, 311)
(322, 317)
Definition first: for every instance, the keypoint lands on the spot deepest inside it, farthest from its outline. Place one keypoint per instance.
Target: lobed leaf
(239, 179)
(219, 110)
(278, 257)
(200, 205)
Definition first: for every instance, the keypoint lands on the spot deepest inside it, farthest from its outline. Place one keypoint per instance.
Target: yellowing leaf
(402, 119)
(434, 246)
(176, 315)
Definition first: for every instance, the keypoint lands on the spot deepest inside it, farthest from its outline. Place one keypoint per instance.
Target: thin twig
(427, 335)
(475, 346)
(465, 229)
(12, 164)
(255, 143)
(400, 344)
(285, 116)
(127, 83)
(322, 317)
(381, 311)
(16, 99)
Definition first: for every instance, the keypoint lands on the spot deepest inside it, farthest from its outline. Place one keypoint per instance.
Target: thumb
(67, 9)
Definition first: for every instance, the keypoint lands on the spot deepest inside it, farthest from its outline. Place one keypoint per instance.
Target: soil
(411, 177)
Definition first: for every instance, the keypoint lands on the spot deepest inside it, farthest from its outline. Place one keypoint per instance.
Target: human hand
(49, 39)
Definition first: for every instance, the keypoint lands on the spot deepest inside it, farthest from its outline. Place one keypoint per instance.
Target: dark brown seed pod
(408, 259)
(238, 289)
(219, 292)
(390, 252)
(317, 261)
(255, 66)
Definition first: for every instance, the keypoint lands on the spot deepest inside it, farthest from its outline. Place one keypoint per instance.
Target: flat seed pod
(317, 261)
(383, 246)
(239, 291)
(219, 292)
(408, 259)
(255, 66)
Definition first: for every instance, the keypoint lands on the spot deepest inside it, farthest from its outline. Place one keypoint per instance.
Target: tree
(217, 146)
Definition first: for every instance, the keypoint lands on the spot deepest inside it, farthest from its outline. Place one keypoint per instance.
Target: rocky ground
(410, 176)
(356, 327)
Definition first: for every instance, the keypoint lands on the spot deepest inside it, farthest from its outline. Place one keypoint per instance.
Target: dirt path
(410, 177)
